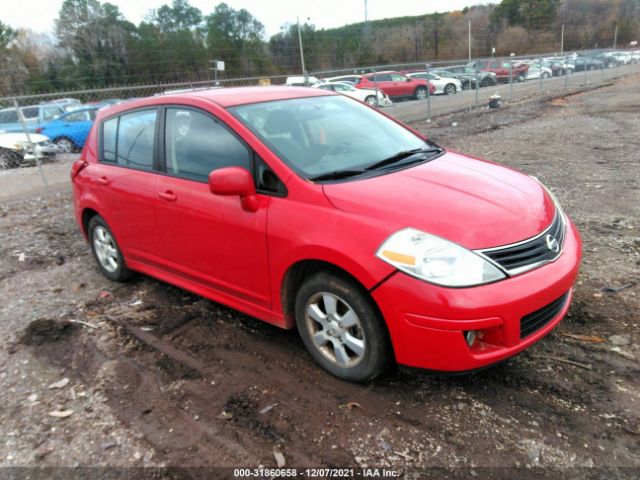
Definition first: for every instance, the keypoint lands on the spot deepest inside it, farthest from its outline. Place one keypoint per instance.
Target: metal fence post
(540, 68)
(375, 83)
(510, 79)
(477, 88)
(566, 73)
(428, 95)
(31, 145)
(586, 67)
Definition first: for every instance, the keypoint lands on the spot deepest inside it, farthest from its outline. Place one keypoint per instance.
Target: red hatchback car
(397, 85)
(306, 208)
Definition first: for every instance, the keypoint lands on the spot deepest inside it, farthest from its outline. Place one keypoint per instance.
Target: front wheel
(450, 89)
(106, 251)
(420, 93)
(545, 75)
(341, 328)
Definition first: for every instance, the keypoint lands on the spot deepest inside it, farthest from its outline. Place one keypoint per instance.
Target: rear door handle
(103, 180)
(169, 196)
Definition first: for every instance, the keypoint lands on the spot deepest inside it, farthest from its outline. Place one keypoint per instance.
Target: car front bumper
(42, 151)
(427, 322)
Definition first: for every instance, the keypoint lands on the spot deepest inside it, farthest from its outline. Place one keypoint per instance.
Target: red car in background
(502, 69)
(397, 85)
(309, 209)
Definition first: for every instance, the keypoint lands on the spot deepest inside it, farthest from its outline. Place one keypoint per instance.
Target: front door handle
(169, 196)
(103, 180)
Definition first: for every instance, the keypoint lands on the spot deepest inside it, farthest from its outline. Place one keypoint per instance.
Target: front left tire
(342, 328)
(420, 93)
(450, 89)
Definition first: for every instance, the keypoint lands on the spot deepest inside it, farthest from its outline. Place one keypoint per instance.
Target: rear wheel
(420, 93)
(371, 101)
(106, 251)
(486, 82)
(545, 75)
(341, 327)
(65, 145)
(450, 89)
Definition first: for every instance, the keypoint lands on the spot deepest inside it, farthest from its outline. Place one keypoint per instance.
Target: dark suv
(468, 76)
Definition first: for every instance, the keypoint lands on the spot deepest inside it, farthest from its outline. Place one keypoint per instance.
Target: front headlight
(436, 260)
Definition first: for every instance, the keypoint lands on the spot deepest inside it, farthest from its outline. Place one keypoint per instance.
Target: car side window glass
(196, 144)
(49, 113)
(109, 131)
(136, 133)
(30, 112)
(398, 78)
(340, 88)
(9, 116)
(77, 117)
(381, 77)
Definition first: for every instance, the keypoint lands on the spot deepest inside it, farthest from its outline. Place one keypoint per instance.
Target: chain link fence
(52, 127)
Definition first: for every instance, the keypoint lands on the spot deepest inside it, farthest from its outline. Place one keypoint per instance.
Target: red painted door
(209, 238)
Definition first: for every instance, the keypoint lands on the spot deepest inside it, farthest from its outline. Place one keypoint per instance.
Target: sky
(272, 13)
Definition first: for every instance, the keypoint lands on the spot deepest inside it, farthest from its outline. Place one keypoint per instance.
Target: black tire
(450, 89)
(9, 159)
(121, 272)
(420, 93)
(486, 82)
(545, 75)
(377, 356)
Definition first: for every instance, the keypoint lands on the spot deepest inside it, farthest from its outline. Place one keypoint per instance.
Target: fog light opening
(470, 337)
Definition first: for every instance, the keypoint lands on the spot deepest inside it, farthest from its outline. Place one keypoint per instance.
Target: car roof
(226, 97)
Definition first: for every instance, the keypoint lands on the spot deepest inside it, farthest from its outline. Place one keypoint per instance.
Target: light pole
(304, 70)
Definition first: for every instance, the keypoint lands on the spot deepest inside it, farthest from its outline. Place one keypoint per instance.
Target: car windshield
(319, 135)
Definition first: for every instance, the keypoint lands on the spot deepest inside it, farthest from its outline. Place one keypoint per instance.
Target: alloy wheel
(105, 248)
(335, 329)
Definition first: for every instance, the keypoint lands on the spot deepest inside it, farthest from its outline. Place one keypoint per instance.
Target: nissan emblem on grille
(553, 244)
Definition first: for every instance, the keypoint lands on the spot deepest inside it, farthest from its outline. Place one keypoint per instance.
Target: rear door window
(135, 140)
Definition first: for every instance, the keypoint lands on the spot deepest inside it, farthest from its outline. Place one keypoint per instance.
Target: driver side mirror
(230, 181)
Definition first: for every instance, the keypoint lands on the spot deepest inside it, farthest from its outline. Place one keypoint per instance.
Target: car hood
(8, 140)
(472, 202)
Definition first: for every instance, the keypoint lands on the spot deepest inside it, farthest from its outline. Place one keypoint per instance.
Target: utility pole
(615, 37)
(469, 40)
(304, 70)
(562, 40)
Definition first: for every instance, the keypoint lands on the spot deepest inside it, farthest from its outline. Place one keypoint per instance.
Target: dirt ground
(159, 377)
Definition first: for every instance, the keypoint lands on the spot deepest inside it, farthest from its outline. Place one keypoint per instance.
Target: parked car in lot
(445, 85)
(396, 85)
(344, 78)
(364, 95)
(308, 209)
(16, 151)
(33, 116)
(301, 81)
(69, 131)
(467, 76)
(588, 63)
(107, 102)
(503, 70)
(537, 70)
(67, 104)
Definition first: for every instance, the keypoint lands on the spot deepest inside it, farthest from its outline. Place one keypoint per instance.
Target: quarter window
(196, 144)
(109, 131)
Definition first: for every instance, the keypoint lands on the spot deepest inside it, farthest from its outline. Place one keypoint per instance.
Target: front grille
(536, 320)
(523, 256)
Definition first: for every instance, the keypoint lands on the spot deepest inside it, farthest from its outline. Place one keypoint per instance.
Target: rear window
(8, 116)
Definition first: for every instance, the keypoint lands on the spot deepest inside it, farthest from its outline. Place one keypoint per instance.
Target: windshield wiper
(336, 175)
(398, 157)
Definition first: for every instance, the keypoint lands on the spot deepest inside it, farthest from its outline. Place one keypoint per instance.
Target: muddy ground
(160, 377)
